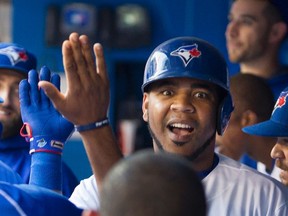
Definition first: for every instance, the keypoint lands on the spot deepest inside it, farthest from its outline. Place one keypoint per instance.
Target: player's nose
(183, 103)
(6, 97)
(231, 29)
(277, 152)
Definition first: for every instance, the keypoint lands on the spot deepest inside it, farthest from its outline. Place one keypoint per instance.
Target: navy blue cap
(16, 57)
(277, 125)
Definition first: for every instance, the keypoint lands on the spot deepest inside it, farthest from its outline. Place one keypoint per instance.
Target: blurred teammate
(152, 184)
(254, 102)
(15, 62)
(254, 36)
(277, 127)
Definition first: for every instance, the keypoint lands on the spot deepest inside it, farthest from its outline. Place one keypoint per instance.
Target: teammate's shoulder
(246, 173)
(89, 182)
(228, 163)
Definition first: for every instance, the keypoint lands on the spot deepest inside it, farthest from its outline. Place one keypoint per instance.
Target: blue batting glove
(46, 129)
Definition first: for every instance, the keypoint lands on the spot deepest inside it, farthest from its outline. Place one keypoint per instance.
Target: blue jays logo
(281, 101)
(41, 143)
(187, 53)
(14, 54)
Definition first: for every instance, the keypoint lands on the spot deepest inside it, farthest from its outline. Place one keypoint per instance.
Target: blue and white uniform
(279, 82)
(23, 199)
(275, 173)
(235, 189)
(245, 159)
(8, 175)
(86, 194)
(231, 189)
(15, 153)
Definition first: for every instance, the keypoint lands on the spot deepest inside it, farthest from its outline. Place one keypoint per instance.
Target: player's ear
(248, 118)
(145, 103)
(278, 32)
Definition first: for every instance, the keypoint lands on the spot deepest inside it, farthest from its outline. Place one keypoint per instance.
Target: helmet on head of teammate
(191, 57)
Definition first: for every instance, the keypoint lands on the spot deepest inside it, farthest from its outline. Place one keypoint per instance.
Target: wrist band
(91, 126)
(45, 144)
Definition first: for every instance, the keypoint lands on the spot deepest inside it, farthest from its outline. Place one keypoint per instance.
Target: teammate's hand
(37, 111)
(87, 97)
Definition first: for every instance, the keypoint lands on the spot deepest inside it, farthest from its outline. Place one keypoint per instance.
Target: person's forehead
(190, 81)
(248, 7)
(12, 74)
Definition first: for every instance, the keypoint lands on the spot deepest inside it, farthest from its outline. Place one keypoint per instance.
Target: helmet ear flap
(224, 112)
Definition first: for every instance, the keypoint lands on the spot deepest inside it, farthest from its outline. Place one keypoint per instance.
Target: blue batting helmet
(15, 57)
(191, 57)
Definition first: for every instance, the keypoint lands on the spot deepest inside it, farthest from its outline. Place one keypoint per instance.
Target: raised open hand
(87, 82)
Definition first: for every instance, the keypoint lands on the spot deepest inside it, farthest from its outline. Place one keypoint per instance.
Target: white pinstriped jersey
(235, 189)
(231, 189)
(86, 194)
(274, 174)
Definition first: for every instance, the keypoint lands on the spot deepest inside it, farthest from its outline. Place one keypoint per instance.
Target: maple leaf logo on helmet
(187, 53)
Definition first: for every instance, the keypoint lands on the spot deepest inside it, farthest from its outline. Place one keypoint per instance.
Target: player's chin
(179, 149)
(233, 58)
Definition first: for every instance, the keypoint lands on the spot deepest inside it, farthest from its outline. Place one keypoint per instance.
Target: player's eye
(201, 95)
(285, 141)
(167, 92)
(230, 18)
(247, 21)
(16, 91)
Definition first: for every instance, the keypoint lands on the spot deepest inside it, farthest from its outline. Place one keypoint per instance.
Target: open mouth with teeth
(4, 114)
(180, 129)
